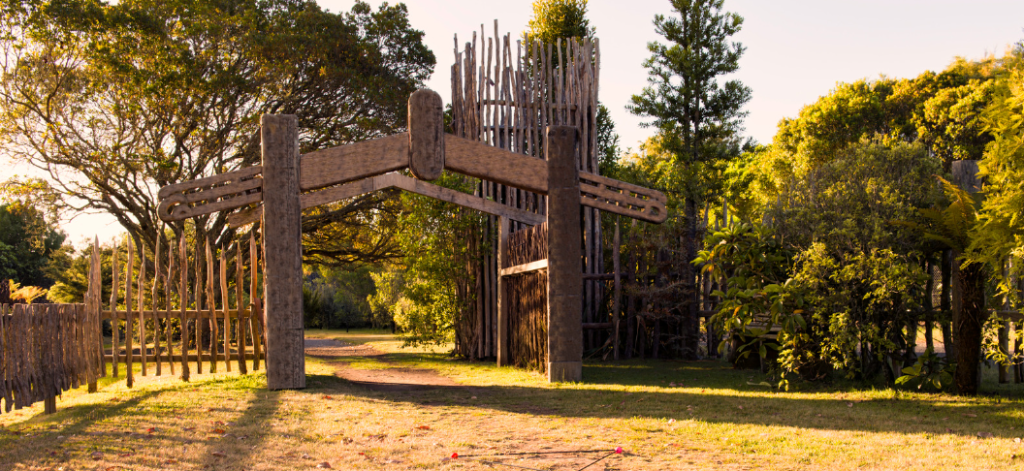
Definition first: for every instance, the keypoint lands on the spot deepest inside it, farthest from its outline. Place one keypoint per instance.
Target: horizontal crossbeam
(395, 180)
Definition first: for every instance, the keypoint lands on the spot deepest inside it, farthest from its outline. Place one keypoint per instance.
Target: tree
(559, 19)
(32, 250)
(117, 100)
(693, 114)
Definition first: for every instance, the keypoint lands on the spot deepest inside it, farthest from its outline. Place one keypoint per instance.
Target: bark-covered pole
(565, 273)
(282, 246)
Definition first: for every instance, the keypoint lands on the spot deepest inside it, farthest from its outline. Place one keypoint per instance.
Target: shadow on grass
(712, 392)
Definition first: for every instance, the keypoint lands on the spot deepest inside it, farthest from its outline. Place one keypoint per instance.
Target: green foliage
(32, 250)
(559, 19)
(115, 100)
(1000, 232)
(693, 114)
(337, 297)
(436, 287)
(930, 370)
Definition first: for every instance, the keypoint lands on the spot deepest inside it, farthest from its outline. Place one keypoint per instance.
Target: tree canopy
(114, 101)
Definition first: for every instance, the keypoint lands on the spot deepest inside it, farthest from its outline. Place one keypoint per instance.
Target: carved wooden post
(565, 275)
(504, 357)
(282, 246)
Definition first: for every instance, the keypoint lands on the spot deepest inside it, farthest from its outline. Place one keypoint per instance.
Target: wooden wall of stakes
(185, 309)
(504, 93)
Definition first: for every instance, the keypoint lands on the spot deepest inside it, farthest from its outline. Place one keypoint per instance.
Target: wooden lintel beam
(352, 162)
(524, 268)
(395, 180)
(476, 159)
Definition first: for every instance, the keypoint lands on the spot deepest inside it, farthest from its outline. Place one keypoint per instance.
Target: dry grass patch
(667, 415)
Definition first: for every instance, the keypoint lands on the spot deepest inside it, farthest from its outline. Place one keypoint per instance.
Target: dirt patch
(385, 379)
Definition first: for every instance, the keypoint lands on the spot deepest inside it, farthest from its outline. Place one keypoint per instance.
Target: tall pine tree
(694, 114)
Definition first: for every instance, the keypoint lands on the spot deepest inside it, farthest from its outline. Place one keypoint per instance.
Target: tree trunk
(929, 316)
(690, 320)
(945, 306)
(968, 319)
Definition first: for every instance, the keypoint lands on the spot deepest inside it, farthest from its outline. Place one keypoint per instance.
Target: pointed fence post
(282, 247)
(565, 274)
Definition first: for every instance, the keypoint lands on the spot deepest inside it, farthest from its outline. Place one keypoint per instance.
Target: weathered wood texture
(46, 349)
(504, 93)
(565, 340)
(395, 180)
(282, 246)
(527, 296)
(426, 134)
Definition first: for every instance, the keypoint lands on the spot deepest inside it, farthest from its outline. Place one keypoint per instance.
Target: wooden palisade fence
(191, 316)
(184, 313)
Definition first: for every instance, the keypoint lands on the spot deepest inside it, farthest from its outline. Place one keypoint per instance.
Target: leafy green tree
(694, 114)
(32, 250)
(559, 19)
(116, 100)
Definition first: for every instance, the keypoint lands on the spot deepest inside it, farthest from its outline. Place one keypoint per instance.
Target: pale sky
(797, 50)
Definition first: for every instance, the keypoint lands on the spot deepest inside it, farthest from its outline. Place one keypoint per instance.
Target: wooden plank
(477, 159)
(351, 162)
(426, 134)
(282, 243)
(129, 328)
(412, 185)
(180, 206)
(524, 268)
(224, 308)
(237, 175)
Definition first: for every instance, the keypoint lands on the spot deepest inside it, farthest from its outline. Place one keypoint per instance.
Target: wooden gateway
(287, 183)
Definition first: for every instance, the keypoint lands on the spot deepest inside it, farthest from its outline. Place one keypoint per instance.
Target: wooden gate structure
(288, 182)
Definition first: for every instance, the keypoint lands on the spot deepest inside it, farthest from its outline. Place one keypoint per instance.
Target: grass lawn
(665, 414)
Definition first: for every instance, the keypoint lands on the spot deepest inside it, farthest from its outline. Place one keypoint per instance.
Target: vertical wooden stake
(282, 251)
(212, 308)
(565, 276)
(224, 308)
(142, 309)
(183, 302)
(156, 318)
(504, 359)
(240, 305)
(95, 318)
(128, 329)
(115, 322)
(617, 302)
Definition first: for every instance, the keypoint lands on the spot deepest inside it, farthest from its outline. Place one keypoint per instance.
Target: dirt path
(386, 379)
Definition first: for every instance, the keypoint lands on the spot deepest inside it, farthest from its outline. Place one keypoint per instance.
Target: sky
(796, 50)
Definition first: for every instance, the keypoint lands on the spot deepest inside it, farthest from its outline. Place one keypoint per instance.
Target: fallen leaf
(170, 461)
(741, 407)
(219, 431)
(671, 421)
(218, 454)
(328, 398)
(985, 435)
(423, 427)
(849, 404)
(151, 430)
(96, 455)
(455, 455)
(1016, 440)
(324, 465)
(306, 456)
(970, 415)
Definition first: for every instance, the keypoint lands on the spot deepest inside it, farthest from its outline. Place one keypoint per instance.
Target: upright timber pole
(504, 354)
(565, 269)
(282, 249)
